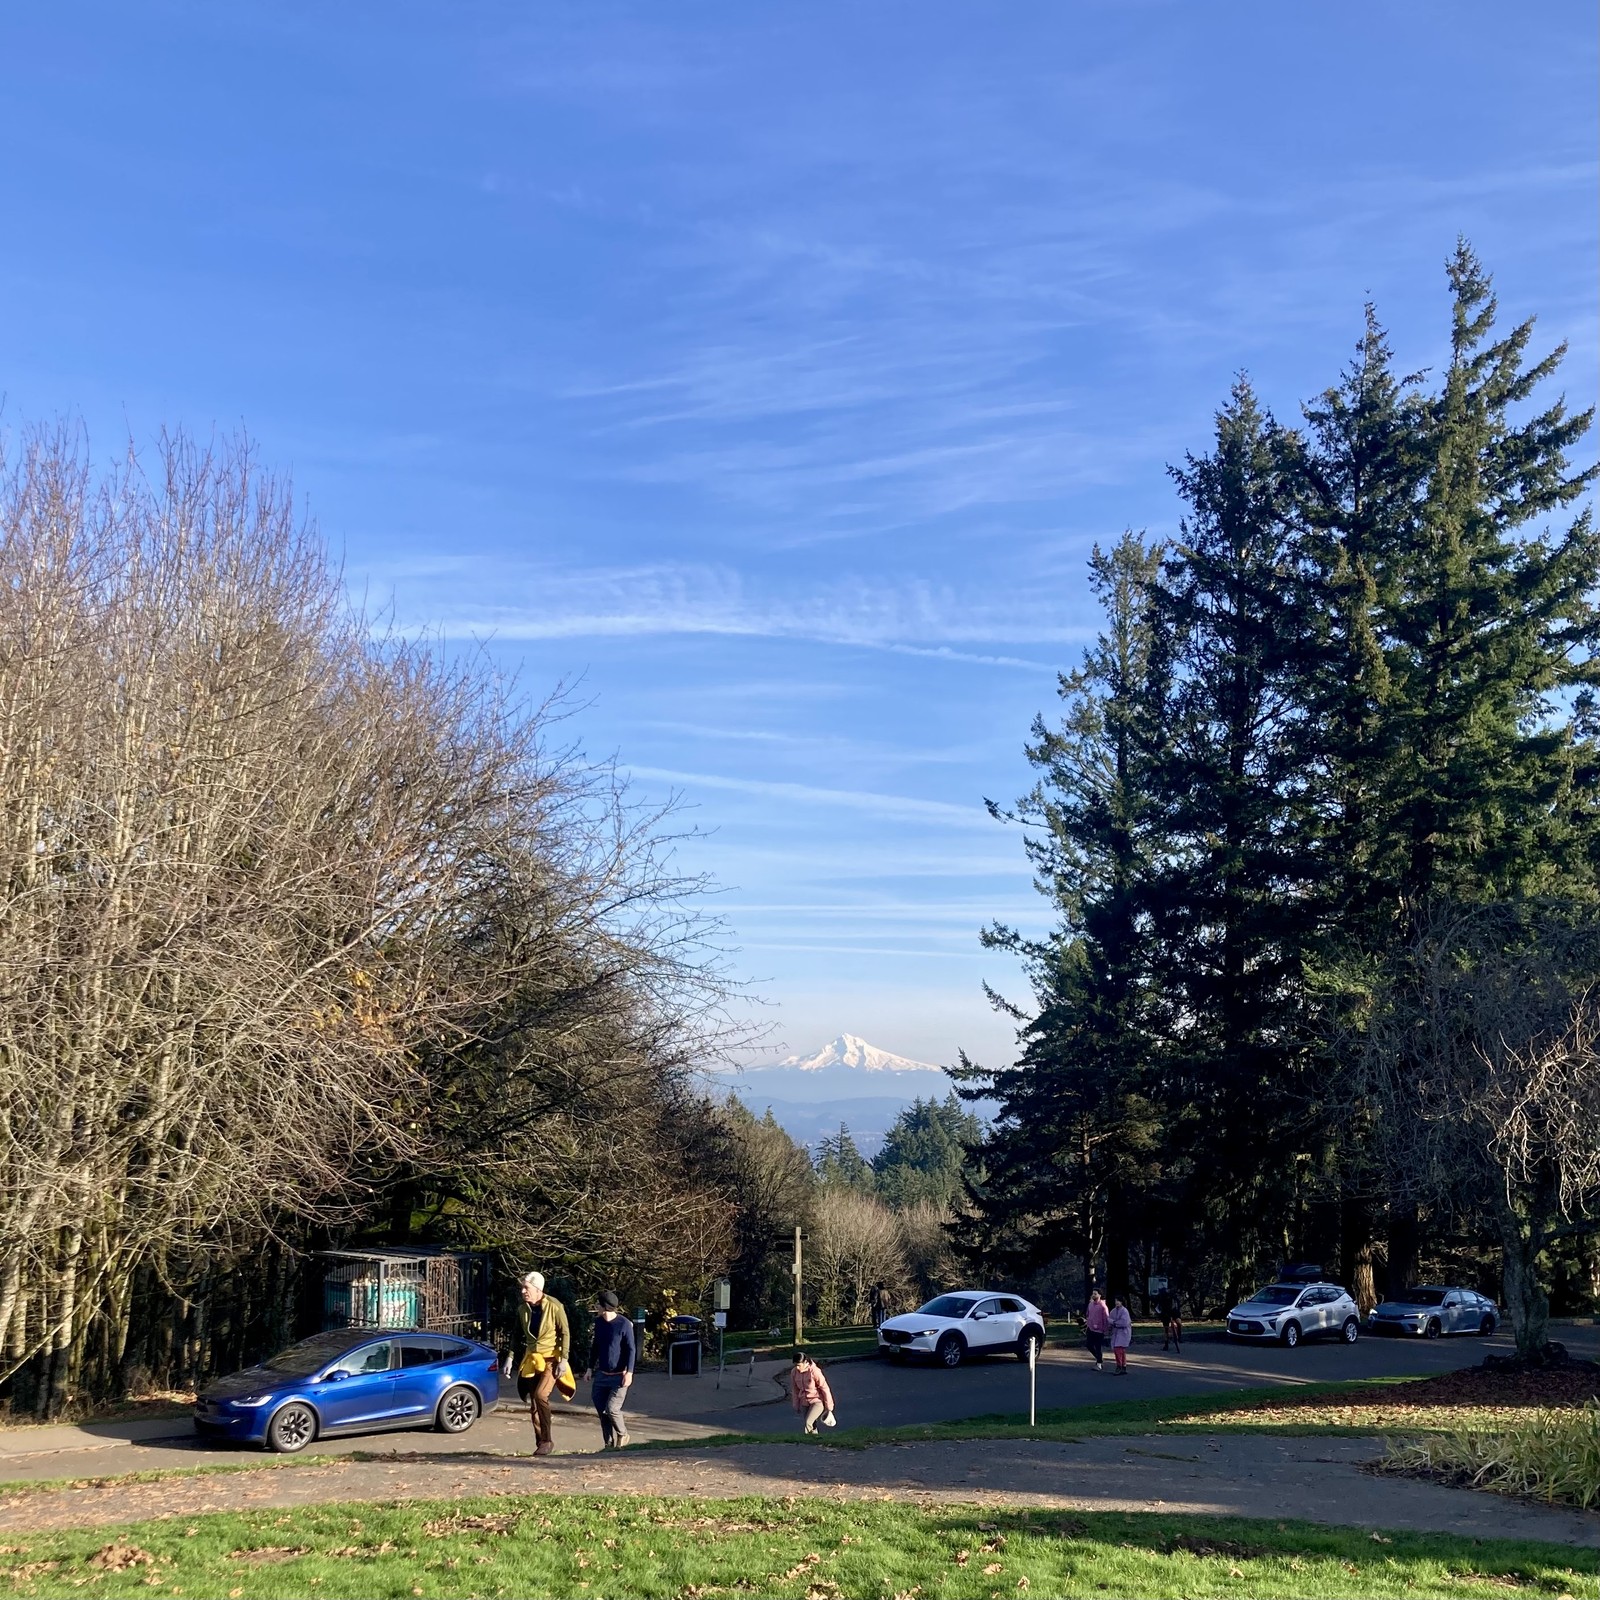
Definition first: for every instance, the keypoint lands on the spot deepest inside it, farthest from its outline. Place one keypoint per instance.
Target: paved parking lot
(876, 1394)
(869, 1393)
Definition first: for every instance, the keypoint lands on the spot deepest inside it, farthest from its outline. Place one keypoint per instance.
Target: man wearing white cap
(539, 1354)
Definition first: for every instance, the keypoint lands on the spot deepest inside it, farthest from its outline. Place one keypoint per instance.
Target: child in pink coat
(1121, 1335)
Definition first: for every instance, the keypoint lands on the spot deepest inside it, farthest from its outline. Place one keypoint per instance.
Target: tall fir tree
(1236, 793)
(1068, 1160)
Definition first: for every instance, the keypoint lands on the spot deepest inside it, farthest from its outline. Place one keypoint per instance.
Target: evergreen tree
(924, 1152)
(1072, 1142)
(1359, 689)
(1236, 796)
(839, 1163)
(1458, 643)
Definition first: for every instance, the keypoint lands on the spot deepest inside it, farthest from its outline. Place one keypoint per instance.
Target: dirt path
(1316, 1479)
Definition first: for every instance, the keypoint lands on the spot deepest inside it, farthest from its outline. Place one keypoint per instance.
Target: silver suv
(1290, 1312)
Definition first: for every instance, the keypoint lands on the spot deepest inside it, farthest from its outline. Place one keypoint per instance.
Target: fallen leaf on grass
(444, 1527)
(30, 1569)
(1197, 1546)
(270, 1552)
(118, 1557)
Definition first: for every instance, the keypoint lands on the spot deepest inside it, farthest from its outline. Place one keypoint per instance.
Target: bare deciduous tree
(1479, 1063)
(292, 914)
(855, 1245)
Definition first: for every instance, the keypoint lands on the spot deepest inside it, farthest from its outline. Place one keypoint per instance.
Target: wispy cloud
(898, 807)
(935, 621)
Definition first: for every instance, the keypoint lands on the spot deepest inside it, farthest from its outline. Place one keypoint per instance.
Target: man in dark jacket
(611, 1358)
(541, 1349)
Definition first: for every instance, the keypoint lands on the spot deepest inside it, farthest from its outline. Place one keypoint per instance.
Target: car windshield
(1275, 1294)
(313, 1354)
(950, 1305)
(1422, 1297)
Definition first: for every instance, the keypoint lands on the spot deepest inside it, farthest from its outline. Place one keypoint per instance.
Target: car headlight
(250, 1400)
(924, 1333)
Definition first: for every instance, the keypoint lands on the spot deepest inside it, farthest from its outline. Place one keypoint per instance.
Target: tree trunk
(1524, 1298)
(1356, 1251)
(1403, 1232)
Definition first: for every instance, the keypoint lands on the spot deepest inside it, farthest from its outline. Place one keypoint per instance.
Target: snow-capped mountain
(849, 1051)
(847, 1081)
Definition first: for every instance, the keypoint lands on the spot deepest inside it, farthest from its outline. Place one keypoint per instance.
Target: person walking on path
(880, 1306)
(809, 1391)
(1096, 1325)
(611, 1357)
(543, 1344)
(1121, 1335)
(1170, 1310)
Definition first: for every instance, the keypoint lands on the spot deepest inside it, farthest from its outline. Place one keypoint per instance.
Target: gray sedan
(1428, 1311)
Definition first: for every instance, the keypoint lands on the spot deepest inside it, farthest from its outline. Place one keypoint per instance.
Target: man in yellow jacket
(540, 1353)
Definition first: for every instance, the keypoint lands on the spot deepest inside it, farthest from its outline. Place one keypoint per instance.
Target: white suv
(1290, 1312)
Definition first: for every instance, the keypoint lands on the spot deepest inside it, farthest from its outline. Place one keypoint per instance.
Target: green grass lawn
(805, 1549)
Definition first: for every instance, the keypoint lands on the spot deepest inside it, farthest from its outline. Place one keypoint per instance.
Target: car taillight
(494, 1366)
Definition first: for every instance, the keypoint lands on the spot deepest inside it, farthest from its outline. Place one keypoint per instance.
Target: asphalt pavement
(879, 1394)
(867, 1393)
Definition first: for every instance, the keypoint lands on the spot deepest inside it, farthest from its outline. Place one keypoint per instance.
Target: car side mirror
(980, 1316)
(335, 1375)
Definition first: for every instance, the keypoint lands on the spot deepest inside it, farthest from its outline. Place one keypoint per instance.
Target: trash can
(683, 1347)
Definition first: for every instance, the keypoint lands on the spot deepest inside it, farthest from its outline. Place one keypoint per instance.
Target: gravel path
(1316, 1479)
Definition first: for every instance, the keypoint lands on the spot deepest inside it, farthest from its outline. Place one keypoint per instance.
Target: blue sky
(767, 372)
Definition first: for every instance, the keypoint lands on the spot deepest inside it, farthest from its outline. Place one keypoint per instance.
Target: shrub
(1554, 1456)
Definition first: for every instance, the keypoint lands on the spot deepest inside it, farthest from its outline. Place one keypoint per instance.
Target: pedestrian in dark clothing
(611, 1358)
(1169, 1309)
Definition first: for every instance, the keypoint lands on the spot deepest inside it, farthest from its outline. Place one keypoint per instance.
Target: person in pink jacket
(809, 1391)
(1096, 1325)
(1121, 1335)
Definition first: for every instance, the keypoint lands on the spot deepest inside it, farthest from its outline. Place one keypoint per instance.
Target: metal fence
(444, 1291)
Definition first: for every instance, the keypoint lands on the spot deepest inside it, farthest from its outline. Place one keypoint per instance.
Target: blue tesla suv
(353, 1380)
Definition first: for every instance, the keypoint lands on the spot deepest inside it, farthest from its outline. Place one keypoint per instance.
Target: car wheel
(951, 1349)
(1351, 1331)
(1486, 1327)
(458, 1410)
(293, 1428)
(1030, 1341)
(1433, 1329)
(1290, 1334)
